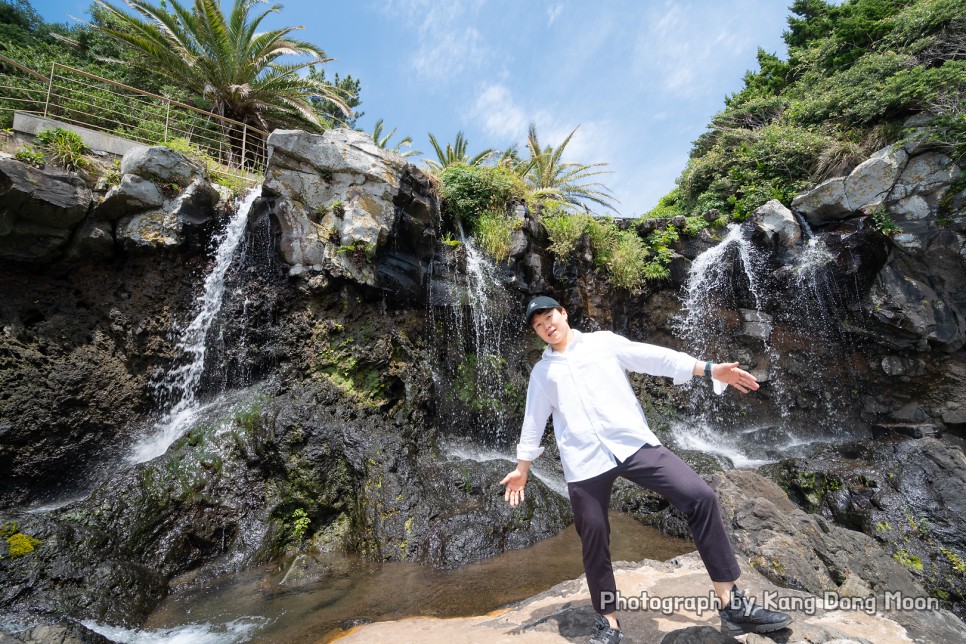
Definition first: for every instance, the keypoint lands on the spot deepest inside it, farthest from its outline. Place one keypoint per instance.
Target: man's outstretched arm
(730, 374)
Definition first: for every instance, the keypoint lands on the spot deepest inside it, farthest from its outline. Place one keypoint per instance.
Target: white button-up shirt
(596, 416)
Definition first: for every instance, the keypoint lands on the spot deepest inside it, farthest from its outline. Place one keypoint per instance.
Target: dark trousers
(655, 468)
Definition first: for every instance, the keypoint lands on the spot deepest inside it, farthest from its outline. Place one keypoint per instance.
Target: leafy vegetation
(27, 154)
(854, 74)
(568, 184)
(469, 191)
(383, 141)
(224, 60)
(272, 90)
(456, 153)
(66, 148)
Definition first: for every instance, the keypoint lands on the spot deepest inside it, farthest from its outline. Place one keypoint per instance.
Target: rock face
(800, 550)
(339, 198)
(918, 299)
(904, 494)
(331, 436)
(52, 215)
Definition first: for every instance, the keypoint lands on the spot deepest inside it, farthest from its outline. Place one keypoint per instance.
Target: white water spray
(180, 388)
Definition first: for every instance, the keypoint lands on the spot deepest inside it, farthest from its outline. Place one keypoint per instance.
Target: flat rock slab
(564, 614)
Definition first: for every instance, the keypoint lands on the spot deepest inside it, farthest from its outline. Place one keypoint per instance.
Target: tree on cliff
(383, 140)
(549, 177)
(233, 69)
(455, 153)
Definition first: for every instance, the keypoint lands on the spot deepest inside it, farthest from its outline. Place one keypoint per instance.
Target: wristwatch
(707, 370)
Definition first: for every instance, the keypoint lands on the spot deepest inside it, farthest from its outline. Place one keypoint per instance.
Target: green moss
(910, 561)
(20, 545)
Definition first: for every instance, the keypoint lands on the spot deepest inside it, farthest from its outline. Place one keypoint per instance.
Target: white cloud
(498, 114)
(448, 55)
(447, 44)
(553, 12)
(684, 54)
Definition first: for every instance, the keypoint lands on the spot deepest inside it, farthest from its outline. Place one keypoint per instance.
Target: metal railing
(77, 97)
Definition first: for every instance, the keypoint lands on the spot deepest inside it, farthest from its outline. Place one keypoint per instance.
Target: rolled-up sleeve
(652, 359)
(535, 417)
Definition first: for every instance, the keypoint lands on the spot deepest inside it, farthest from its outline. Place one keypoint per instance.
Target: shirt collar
(550, 354)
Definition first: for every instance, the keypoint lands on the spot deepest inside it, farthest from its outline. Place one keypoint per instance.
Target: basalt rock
(338, 199)
(38, 211)
(799, 550)
(903, 493)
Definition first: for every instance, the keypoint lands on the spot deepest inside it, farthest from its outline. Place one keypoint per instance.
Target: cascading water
(179, 390)
(731, 286)
(472, 372)
(728, 276)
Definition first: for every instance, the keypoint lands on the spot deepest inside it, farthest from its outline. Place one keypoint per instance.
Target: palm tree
(232, 68)
(456, 153)
(383, 141)
(548, 177)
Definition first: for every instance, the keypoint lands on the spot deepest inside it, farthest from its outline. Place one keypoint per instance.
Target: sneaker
(743, 615)
(606, 634)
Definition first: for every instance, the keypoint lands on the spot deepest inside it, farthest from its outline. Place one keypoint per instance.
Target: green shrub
(300, 524)
(28, 155)
(65, 147)
(627, 261)
(470, 191)
(494, 231)
(564, 231)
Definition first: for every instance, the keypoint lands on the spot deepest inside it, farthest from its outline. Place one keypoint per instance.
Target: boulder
(338, 198)
(824, 203)
(777, 225)
(38, 211)
(870, 182)
(905, 493)
(132, 195)
(154, 229)
(799, 550)
(162, 166)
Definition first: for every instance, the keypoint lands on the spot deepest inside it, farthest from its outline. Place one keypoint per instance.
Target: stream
(253, 607)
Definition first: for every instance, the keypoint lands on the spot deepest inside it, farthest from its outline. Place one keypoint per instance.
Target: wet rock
(906, 494)
(910, 429)
(777, 225)
(800, 550)
(57, 632)
(756, 324)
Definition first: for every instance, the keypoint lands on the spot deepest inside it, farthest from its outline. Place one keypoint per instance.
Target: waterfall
(472, 374)
(178, 391)
(728, 277)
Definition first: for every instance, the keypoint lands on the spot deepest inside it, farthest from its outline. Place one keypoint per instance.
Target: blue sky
(641, 78)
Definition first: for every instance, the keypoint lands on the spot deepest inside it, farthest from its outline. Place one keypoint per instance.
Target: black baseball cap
(540, 303)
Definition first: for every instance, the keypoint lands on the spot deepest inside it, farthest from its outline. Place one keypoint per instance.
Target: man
(601, 433)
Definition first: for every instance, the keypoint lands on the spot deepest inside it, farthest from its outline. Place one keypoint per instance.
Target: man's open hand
(729, 373)
(515, 481)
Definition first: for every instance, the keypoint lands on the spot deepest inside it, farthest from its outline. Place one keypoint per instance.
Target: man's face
(551, 325)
